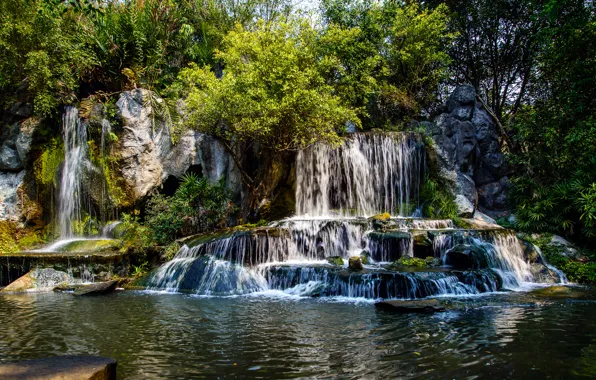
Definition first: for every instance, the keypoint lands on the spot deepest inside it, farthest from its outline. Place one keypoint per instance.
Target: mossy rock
(557, 292)
(8, 232)
(421, 238)
(335, 260)
(90, 246)
(382, 217)
(355, 263)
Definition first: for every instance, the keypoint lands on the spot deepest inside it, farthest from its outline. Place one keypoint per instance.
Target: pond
(175, 336)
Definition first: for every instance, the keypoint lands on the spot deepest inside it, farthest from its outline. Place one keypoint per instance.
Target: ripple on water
(182, 336)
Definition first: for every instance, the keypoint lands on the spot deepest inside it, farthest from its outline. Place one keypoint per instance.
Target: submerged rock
(335, 260)
(414, 306)
(96, 288)
(557, 292)
(61, 367)
(355, 263)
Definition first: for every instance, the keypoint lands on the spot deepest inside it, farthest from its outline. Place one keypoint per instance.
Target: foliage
(435, 201)
(392, 56)
(196, 206)
(554, 187)
(46, 166)
(496, 48)
(136, 235)
(273, 91)
(581, 270)
(41, 58)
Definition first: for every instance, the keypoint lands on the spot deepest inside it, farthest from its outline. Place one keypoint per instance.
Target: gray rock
(466, 145)
(483, 217)
(467, 188)
(9, 200)
(463, 113)
(98, 288)
(43, 279)
(24, 139)
(414, 306)
(148, 156)
(465, 208)
(461, 96)
(61, 367)
(559, 240)
(9, 158)
(493, 196)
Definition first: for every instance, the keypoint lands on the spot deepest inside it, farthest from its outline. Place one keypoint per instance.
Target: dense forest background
(268, 71)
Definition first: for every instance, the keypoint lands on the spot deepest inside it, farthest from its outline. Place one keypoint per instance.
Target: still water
(179, 336)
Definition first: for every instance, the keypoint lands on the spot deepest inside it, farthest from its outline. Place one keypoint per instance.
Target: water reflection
(173, 336)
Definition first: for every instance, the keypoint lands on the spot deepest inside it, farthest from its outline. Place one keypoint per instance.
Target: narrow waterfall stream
(75, 152)
(337, 192)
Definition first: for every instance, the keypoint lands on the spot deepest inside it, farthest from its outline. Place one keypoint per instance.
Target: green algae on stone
(335, 260)
(91, 246)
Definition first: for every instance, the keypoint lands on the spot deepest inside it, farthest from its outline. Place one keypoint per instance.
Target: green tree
(273, 92)
(557, 130)
(393, 56)
(41, 58)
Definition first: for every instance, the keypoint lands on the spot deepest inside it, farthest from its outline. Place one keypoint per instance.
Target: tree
(392, 56)
(557, 129)
(496, 49)
(273, 92)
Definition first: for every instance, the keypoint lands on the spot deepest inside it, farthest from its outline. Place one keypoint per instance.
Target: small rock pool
(176, 336)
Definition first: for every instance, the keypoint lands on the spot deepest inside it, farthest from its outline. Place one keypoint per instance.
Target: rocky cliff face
(147, 158)
(468, 156)
(15, 145)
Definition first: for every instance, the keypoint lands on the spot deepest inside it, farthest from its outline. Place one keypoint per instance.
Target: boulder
(462, 96)
(355, 263)
(493, 196)
(97, 288)
(38, 280)
(61, 368)
(413, 306)
(465, 208)
(467, 154)
(466, 256)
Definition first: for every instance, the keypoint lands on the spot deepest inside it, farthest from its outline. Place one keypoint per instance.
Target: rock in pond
(413, 306)
(94, 289)
(61, 368)
(355, 263)
(557, 292)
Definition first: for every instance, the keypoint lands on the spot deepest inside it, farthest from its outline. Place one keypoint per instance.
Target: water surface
(180, 336)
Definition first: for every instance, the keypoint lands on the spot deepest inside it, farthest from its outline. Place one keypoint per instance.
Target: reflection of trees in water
(587, 362)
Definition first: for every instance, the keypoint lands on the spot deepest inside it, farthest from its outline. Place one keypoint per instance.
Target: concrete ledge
(61, 368)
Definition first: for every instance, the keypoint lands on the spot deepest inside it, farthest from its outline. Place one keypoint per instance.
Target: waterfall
(369, 173)
(337, 188)
(75, 152)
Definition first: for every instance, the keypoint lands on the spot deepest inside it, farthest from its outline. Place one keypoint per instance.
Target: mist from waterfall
(369, 173)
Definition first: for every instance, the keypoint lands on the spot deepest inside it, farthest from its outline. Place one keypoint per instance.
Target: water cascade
(369, 174)
(338, 189)
(75, 152)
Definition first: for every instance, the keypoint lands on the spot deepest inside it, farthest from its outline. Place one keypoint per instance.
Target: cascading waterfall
(75, 151)
(369, 174)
